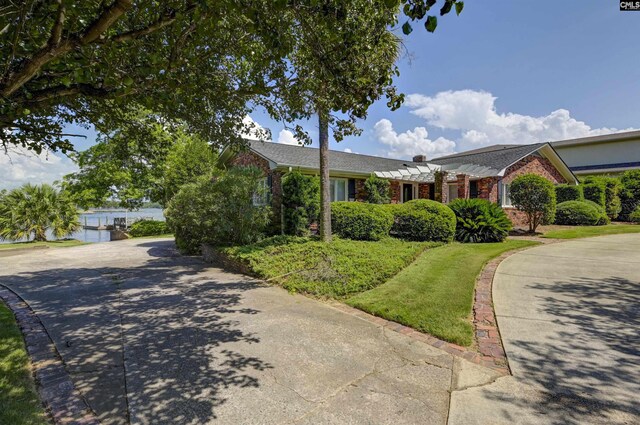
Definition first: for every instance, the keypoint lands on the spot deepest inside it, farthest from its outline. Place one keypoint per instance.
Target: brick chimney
(420, 158)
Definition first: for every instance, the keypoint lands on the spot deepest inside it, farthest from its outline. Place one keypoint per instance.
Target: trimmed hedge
(360, 221)
(630, 193)
(480, 221)
(564, 193)
(424, 220)
(612, 187)
(581, 213)
(148, 228)
(595, 192)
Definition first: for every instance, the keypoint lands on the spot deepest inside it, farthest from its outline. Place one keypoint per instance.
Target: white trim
(503, 197)
(334, 180)
(414, 190)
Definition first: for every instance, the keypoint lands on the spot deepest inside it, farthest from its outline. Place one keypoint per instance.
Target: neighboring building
(608, 154)
(483, 173)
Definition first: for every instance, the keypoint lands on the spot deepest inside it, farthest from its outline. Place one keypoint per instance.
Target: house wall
(396, 192)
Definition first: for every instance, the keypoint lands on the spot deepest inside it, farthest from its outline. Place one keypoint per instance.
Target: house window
(339, 189)
(506, 194)
(453, 192)
(473, 189)
(261, 196)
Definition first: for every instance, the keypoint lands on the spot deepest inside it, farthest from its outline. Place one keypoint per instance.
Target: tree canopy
(203, 62)
(148, 158)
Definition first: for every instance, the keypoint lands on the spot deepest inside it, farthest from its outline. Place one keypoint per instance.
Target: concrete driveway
(569, 317)
(150, 337)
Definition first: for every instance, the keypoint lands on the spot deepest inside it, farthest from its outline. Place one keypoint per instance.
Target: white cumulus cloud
(286, 137)
(20, 166)
(412, 142)
(474, 114)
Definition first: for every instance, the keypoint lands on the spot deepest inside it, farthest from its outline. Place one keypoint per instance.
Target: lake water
(99, 217)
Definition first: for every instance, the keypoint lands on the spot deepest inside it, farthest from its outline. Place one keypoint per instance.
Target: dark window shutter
(352, 189)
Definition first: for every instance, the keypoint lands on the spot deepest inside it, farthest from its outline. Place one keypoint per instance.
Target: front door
(407, 192)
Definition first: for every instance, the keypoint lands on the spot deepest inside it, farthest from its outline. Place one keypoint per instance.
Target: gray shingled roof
(498, 159)
(307, 157)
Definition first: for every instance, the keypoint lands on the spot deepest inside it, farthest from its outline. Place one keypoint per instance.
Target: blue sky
(504, 71)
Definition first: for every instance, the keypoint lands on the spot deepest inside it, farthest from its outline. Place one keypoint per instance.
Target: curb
(62, 401)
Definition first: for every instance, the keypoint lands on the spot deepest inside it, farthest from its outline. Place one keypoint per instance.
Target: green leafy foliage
(199, 62)
(31, 211)
(634, 217)
(630, 193)
(335, 269)
(612, 187)
(218, 210)
(480, 221)
(300, 201)
(423, 220)
(536, 197)
(148, 228)
(376, 190)
(147, 158)
(360, 221)
(595, 192)
(581, 213)
(565, 192)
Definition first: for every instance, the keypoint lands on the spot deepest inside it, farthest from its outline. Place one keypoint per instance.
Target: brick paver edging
(62, 401)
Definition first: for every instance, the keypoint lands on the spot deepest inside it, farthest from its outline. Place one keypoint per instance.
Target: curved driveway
(569, 317)
(150, 337)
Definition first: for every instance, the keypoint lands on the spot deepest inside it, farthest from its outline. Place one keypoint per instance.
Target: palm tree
(31, 211)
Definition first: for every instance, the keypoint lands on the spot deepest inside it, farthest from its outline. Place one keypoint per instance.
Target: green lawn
(336, 270)
(50, 244)
(19, 404)
(435, 293)
(587, 231)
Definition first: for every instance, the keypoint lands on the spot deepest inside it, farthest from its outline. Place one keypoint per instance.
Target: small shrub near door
(148, 228)
(377, 190)
(565, 192)
(581, 213)
(480, 221)
(360, 221)
(424, 220)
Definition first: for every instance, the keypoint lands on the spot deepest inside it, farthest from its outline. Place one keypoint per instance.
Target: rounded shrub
(564, 193)
(480, 221)
(148, 228)
(630, 193)
(424, 220)
(581, 213)
(360, 221)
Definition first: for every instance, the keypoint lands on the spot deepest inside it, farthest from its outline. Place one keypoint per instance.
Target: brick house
(484, 173)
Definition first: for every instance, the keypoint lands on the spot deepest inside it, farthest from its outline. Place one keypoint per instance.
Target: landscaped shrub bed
(595, 192)
(630, 193)
(480, 221)
(581, 213)
(634, 217)
(424, 220)
(334, 269)
(565, 192)
(360, 221)
(148, 228)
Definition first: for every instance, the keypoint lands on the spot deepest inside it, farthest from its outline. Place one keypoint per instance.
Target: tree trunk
(325, 189)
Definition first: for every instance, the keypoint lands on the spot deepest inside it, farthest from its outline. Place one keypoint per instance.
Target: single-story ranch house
(484, 174)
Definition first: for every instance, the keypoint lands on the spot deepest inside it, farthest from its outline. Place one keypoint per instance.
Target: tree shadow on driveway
(146, 343)
(587, 364)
